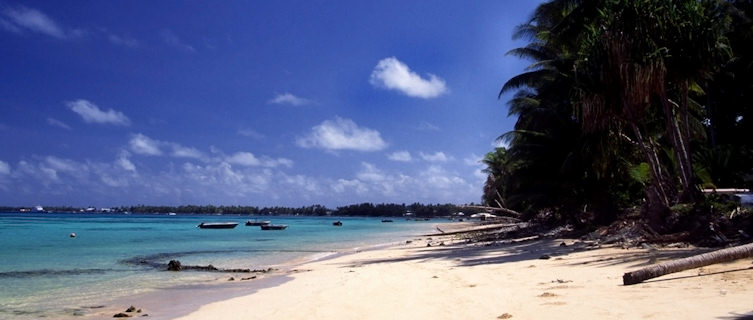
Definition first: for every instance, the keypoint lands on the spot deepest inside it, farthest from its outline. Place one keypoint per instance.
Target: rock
(563, 244)
(121, 315)
(173, 265)
(131, 309)
(231, 279)
(408, 241)
(505, 316)
(545, 257)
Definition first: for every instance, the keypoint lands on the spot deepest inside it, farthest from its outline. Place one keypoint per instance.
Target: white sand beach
(461, 281)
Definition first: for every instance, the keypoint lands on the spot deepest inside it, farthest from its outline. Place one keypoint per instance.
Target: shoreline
(444, 277)
(523, 280)
(182, 300)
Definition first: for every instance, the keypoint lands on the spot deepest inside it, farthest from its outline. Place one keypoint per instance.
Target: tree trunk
(697, 261)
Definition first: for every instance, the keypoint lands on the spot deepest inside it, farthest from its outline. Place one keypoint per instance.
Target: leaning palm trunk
(697, 261)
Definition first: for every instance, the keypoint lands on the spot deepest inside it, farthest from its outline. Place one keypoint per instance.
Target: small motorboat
(217, 225)
(274, 227)
(257, 223)
(337, 223)
(387, 220)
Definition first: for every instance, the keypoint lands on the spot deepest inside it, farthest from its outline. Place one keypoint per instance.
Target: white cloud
(185, 152)
(4, 167)
(142, 144)
(403, 156)
(289, 98)
(344, 185)
(124, 41)
(393, 74)
(250, 160)
(436, 157)
(57, 123)
(125, 163)
(244, 159)
(23, 18)
(92, 114)
(342, 134)
(251, 133)
(171, 39)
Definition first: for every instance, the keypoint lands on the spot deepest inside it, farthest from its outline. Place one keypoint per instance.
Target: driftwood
(697, 261)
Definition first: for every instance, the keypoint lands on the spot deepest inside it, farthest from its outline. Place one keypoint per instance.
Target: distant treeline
(363, 209)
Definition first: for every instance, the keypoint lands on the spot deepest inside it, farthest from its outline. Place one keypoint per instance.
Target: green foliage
(624, 97)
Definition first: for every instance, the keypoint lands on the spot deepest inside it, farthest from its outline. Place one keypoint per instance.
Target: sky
(262, 103)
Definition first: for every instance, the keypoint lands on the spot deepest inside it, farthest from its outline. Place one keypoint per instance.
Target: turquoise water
(44, 272)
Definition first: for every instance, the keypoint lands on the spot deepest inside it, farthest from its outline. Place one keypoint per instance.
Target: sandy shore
(460, 281)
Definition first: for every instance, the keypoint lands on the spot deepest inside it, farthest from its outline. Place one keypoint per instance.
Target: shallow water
(44, 272)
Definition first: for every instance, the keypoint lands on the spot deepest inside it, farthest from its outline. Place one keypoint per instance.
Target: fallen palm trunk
(697, 261)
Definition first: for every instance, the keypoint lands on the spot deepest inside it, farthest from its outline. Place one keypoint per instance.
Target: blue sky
(290, 103)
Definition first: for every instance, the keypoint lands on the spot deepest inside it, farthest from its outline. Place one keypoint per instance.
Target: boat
(274, 226)
(217, 225)
(387, 220)
(337, 223)
(257, 223)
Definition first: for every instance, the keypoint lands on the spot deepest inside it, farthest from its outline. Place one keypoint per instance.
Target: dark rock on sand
(121, 315)
(174, 265)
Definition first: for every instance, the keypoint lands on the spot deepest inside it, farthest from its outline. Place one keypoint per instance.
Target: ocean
(46, 273)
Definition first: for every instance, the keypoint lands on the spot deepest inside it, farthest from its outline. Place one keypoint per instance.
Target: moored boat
(274, 226)
(217, 225)
(257, 223)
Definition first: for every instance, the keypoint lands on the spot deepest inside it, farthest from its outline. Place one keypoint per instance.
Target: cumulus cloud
(290, 99)
(342, 134)
(435, 157)
(142, 144)
(250, 160)
(393, 74)
(403, 156)
(172, 40)
(22, 19)
(92, 114)
(57, 123)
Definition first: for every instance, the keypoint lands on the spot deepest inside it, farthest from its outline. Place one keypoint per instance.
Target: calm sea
(44, 272)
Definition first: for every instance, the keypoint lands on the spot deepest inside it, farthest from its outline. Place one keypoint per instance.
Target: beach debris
(408, 241)
(72, 235)
(561, 281)
(231, 279)
(121, 315)
(505, 316)
(131, 309)
(249, 278)
(435, 277)
(563, 244)
(705, 259)
(545, 257)
(547, 295)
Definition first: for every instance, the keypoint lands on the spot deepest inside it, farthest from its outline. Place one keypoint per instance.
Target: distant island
(364, 209)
